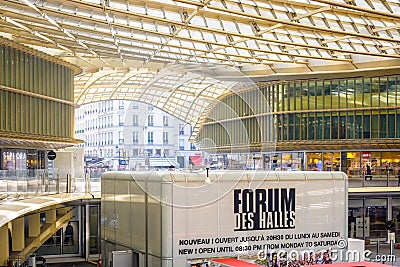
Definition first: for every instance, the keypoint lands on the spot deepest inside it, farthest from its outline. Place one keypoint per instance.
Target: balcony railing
(33, 183)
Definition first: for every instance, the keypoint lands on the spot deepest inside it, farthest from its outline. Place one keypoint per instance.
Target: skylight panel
(209, 36)
(171, 15)
(137, 9)
(198, 21)
(250, 10)
(83, 13)
(120, 20)
(135, 23)
(184, 33)
(221, 38)
(348, 27)
(229, 26)
(245, 29)
(213, 23)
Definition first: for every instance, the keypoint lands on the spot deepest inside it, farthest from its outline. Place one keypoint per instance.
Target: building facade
(121, 134)
(345, 121)
(37, 98)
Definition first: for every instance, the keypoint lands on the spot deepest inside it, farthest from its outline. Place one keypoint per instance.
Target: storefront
(17, 159)
(284, 161)
(368, 214)
(382, 163)
(354, 163)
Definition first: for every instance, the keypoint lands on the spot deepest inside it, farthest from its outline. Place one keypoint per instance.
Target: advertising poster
(256, 224)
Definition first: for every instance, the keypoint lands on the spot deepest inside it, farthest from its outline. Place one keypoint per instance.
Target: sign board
(123, 162)
(51, 155)
(366, 155)
(362, 227)
(277, 215)
(197, 218)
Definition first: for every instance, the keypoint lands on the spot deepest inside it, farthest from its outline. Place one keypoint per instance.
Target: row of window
(100, 107)
(106, 121)
(307, 126)
(128, 153)
(106, 138)
(310, 95)
(104, 106)
(102, 139)
(29, 73)
(339, 125)
(353, 108)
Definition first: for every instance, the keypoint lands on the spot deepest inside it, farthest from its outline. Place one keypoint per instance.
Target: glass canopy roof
(125, 46)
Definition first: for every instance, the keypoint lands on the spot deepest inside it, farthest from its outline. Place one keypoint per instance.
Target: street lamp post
(119, 156)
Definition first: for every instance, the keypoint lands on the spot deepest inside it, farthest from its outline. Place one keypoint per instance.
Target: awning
(195, 160)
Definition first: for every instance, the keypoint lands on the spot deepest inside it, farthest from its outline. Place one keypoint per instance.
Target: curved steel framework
(122, 44)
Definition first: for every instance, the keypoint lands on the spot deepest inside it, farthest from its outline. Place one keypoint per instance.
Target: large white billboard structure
(182, 219)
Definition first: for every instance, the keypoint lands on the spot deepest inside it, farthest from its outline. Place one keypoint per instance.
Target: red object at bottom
(235, 263)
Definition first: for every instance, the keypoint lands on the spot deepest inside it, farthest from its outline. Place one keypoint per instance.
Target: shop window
(287, 161)
(331, 161)
(314, 161)
(376, 216)
(356, 223)
(353, 166)
(390, 164)
(276, 162)
(9, 160)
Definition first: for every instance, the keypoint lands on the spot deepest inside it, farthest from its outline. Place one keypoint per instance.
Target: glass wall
(356, 223)
(64, 241)
(376, 168)
(323, 161)
(285, 161)
(376, 215)
(94, 245)
(396, 216)
(331, 109)
(367, 218)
